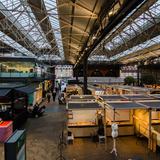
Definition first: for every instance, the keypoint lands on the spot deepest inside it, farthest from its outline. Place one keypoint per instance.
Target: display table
(6, 130)
(79, 124)
(83, 131)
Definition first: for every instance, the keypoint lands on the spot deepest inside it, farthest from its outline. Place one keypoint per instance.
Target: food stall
(73, 89)
(13, 107)
(82, 98)
(33, 92)
(82, 118)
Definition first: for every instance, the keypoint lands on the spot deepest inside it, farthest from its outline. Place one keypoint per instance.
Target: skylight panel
(49, 57)
(28, 24)
(139, 25)
(98, 58)
(9, 41)
(146, 44)
(52, 11)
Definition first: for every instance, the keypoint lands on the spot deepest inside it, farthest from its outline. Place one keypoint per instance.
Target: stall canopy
(4, 92)
(84, 105)
(83, 97)
(113, 97)
(138, 97)
(157, 96)
(155, 104)
(125, 105)
(27, 89)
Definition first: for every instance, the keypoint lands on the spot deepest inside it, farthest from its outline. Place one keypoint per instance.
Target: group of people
(36, 110)
(53, 92)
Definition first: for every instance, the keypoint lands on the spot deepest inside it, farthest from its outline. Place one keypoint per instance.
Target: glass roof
(98, 58)
(22, 17)
(49, 57)
(146, 20)
(146, 44)
(9, 41)
(52, 11)
(139, 25)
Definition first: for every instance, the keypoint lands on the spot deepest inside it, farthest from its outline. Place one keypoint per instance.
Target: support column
(85, 68)
(76, 73)
(105, 127)
(150, 129)
(138, 75)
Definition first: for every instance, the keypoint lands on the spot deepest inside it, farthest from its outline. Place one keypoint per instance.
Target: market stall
(13, 107)
(140, 117)
(121, 112)
(82, 118)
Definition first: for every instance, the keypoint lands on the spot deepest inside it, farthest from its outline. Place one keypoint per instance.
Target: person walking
(48, 97)
(54, 95)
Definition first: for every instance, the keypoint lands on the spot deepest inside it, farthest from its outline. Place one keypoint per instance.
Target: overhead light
(110, 13)
(94, 37)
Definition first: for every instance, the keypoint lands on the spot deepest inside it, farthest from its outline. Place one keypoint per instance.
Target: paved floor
(43, 138)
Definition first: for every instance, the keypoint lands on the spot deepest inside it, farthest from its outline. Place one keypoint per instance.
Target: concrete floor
(43, 138)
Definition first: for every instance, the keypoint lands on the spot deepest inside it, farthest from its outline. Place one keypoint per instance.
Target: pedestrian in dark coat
(48, 97)
(54, 95)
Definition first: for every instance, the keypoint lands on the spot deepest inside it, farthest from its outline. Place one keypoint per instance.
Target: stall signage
(129, 68)
(21, 147)
(15, 147)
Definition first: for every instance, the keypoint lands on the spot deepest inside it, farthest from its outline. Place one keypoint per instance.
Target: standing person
(54, 95)
(48, 97)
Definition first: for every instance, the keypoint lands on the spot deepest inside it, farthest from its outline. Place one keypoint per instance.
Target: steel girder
(127, 22)
(140, 38)
(111, 23)
(7, 26)
(39, 10)
(142, 55)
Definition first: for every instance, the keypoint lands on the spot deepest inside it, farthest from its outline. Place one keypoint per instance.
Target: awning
(85, 105)
(126, 105)
(112, 97)
(82, 97)
(27, 89)
(4, 92)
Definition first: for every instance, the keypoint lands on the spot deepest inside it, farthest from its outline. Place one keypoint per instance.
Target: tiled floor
(43, 138)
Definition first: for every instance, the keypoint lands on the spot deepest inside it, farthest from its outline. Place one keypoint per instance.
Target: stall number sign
(21, 148)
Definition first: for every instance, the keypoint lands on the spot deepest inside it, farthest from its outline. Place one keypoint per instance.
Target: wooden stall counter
(81, 124)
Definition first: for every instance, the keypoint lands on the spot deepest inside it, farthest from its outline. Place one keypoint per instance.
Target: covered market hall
(79, 79)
